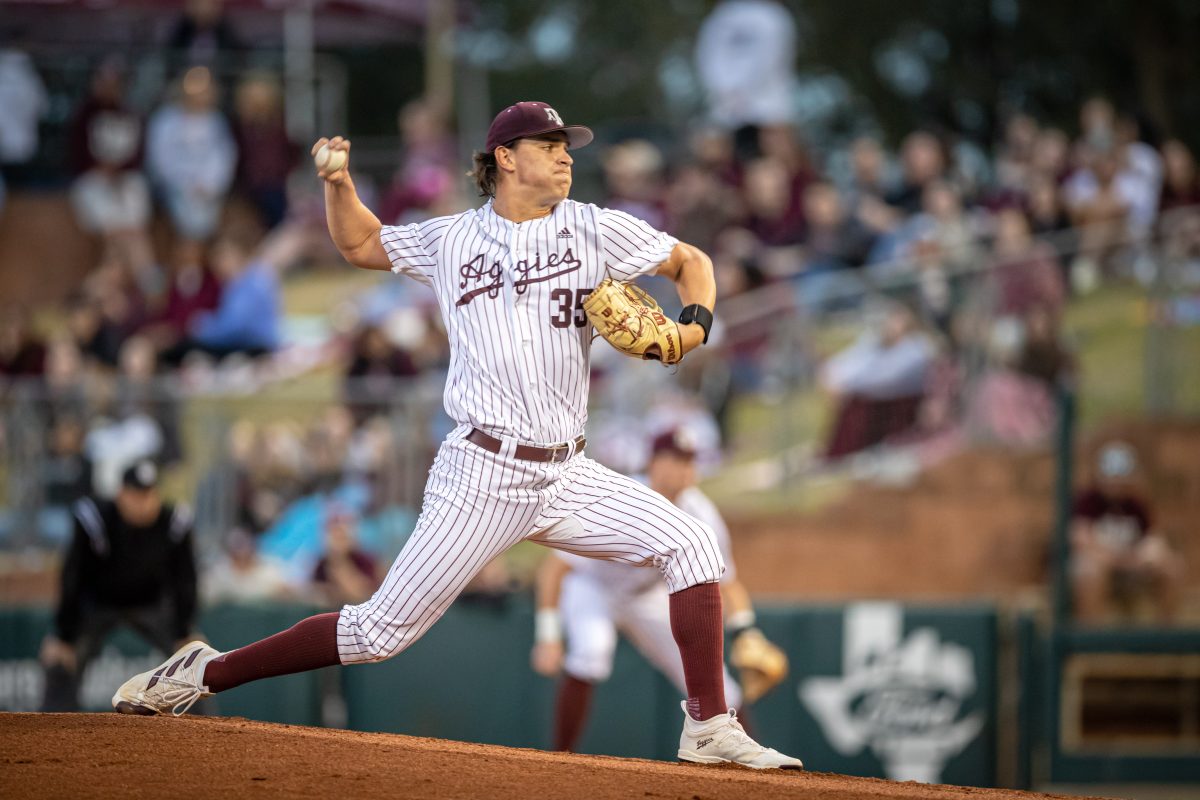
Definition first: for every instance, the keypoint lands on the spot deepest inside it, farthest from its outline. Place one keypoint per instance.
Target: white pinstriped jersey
(511, 296)
(620, 578)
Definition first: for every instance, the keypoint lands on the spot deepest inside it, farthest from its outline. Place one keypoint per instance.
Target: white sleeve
(631, 247)
(696, 503)
(413, 249)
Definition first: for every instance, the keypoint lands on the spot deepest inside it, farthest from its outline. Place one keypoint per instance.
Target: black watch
(698, 314)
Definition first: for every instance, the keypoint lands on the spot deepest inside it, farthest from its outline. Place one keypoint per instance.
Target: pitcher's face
(543, 166)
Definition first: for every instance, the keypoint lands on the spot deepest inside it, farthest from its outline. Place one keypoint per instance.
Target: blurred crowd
(941, 266)
(195, 212)
(947, 258)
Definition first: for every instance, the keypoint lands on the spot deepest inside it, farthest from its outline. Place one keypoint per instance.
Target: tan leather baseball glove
(761, 665)
(631, 321)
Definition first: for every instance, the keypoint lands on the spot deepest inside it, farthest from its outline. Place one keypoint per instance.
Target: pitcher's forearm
(352, 226)
(696, 282)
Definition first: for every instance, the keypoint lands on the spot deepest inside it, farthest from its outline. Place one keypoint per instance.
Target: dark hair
(484, 173)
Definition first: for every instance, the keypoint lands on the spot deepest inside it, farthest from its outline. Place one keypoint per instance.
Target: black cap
(141, 474)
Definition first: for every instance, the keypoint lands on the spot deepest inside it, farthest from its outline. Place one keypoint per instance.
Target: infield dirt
(108, 755)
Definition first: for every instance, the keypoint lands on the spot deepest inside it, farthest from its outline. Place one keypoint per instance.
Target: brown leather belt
(527, 452)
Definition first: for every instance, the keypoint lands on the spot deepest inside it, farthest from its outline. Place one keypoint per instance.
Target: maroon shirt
(1118, 520)
(362, 562)
(199, 291)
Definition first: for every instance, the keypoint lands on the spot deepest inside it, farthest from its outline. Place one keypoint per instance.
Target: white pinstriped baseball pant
(478, 504)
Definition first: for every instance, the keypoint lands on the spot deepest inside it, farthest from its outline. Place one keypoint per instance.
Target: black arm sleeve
(70, 602)
(183, 585)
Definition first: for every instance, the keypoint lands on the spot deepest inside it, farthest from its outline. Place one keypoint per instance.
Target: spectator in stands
(427, 178)
(83, 322)
(65, 380)
(345, 574)
(1051, 151)
(943, 215)
(1181, 184)
(66, 476)
(22, 353)
(265, 153)
(1014, 161)
(833, 239)
(247, 317)
(633, 180)
(110, 196)
(938, 289)
(1142, 166)
(192, 289)
(772, 216)
(1044, 207)
(24, 100)
(1025, 271)
(699, 205)
(1011, 401)
(326, 449)
(922, 161)
(869, 185)
(835, 244)
(203, 35)
(130, 563)
(376, 366)
(1101, 200)
(784, 144)
(104, 127)
(117, 311)
(1043, 355)
(1180, 221)
(265, 468)
(141, 390)
(1115, 549)
(878, 381)
(242, 574)
(191, 156)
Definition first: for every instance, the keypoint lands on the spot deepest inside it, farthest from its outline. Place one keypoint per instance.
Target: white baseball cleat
(171, 687)
(722, 739)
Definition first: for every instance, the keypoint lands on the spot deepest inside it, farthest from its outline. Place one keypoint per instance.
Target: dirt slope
(104, 756)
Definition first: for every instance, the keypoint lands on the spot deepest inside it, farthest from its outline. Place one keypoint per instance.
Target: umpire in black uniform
(130, 563)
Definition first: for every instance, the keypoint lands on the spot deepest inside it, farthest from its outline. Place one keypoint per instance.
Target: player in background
(510, 279)
(592, 600)
(130, 563)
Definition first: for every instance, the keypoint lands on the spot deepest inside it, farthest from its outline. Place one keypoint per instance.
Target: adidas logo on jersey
(565, 234)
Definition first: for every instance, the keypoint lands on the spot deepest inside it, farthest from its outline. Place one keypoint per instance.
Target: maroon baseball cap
(678, 441)
(531, 118)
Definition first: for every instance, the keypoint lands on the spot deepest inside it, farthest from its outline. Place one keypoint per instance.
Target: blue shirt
(247, 315)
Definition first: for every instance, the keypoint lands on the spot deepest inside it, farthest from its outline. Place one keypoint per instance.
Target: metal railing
(761, 381)
(365, 439)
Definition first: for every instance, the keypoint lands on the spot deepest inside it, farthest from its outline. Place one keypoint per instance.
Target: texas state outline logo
(901, 697)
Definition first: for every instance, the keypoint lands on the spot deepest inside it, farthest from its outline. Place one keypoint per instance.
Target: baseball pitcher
(519, 282)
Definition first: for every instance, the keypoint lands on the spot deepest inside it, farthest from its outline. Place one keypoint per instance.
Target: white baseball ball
(329, 160)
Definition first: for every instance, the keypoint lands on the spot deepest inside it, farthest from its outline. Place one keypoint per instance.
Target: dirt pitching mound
(109, 755)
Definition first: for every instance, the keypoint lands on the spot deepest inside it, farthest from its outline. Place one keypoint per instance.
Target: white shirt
(745, 57)
(264, 580)
(627, 579)
(190, 151)
(23, 101)
(870, 369)
(511, 297)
